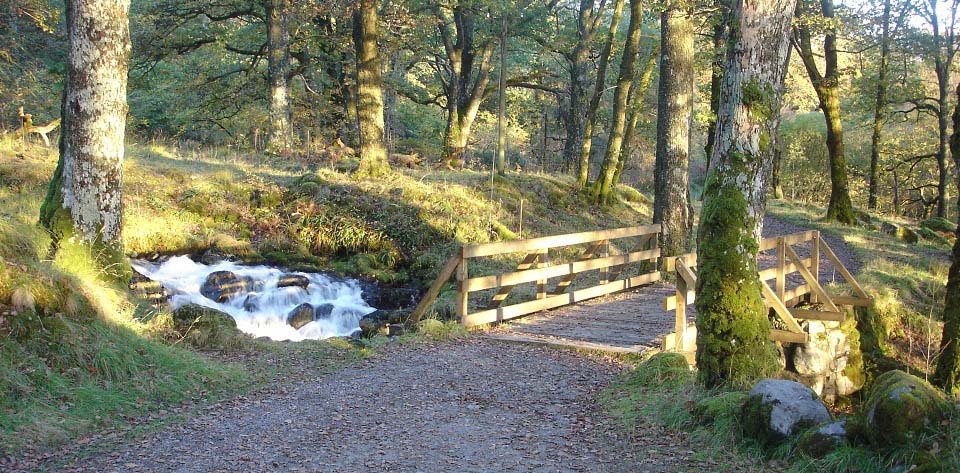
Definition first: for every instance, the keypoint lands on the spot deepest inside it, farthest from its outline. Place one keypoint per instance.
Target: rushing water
(267, 316)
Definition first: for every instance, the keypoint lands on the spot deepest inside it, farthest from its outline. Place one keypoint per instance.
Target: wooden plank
(795, 293)
(782, 270)
(811, 280)
(504, 291)
(815, 264)
(843, 270)
(566, 343)
(788, 268)
(564, 283)
(854, 301)
(536, 305)
(642, 245)
(784, 336)
(669, 262)
(818, 315)
(519, 277)
(501, 247)
(791, 239)
(604, 253)
(680, 313)
(688, 276)
(463, 296)
(445, 273)
(777, 305)
(543, 262)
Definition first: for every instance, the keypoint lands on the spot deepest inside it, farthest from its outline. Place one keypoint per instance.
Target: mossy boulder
(823, 440)
(933, 236)
(901, 407)
(776, 409)
(939, 224)
(205, 327)
(300, 315)
(907, 234)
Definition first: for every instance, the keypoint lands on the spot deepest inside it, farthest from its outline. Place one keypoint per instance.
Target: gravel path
(474, 405)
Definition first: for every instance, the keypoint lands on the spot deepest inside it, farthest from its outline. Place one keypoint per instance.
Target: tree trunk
(943, 86)
(636, 100)
(879, 107)
(671, 204)
(947, 375)
(278, 74)
(373, 150)
(576, 110)
(716, 75)
(603, 188)
(775, 174)
(502, 102)
(599, 85)
(827, 86)
(733, 345)
(84, 201)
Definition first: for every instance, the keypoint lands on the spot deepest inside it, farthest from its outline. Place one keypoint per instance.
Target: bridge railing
(537, 267)
(780, 298)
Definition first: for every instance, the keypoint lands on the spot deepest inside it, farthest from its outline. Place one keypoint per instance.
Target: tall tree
(640, 86)
(671, 204)
(502, 101)
(84, 201)
(827, 86)
(278, 74)
(944, 49)
(600, 84)
(603, 187)
(373, 150)
(733, 332)
(720, 21)
(589, 16)
(947, 374)
(880, 104)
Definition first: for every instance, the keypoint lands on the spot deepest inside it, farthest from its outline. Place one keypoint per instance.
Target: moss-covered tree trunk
(280, 138)
(603, 188)
(502, 101)
(943, 87)
(733, 343)
(373, 150)
(827, 85)
(600, 84)
(640, 86)
(947, 375)
(84, 201)
(671, 204)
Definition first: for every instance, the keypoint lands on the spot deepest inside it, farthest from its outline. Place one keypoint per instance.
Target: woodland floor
(465, 405)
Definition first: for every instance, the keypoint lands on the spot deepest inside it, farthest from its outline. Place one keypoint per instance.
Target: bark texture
(720, 21)
(278, 74)
(671, 204)
(603, 188)
(827, 86)
(84, 201)
(373, 150)
(640, 86)
(879, 107)
(947, 375)
(733, 345)
(579, 82)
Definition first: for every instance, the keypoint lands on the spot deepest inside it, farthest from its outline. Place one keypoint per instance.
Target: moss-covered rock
(725, 405)
(776, 409)
(901, 407)
(939, 224)
(933, 236)
(823, 440)
(206, 328)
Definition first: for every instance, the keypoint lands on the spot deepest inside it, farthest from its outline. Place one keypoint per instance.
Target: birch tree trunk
(733, 332)
(671, 204)
(278, 74)
(373, 150)
(84, 201)
(603, 188)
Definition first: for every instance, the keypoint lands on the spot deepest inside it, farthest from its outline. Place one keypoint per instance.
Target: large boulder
(933, 236)
(939, 224)
(323, 311)
(823, 440)
(293, 280)
(902, 233)
(901, 407)
(221, 286)
(204, 321)
(776, 409)
(300, 315)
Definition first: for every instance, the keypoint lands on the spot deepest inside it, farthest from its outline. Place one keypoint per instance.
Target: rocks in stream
(322, 311)
(300, 315)
(221, 286)
(374, 322)
(293, 280)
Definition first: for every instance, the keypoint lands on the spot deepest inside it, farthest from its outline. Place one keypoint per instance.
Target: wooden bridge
(554, 294)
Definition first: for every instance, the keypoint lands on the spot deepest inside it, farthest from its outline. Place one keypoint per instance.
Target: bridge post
(781, 268)
(815, 262)
(463, 297)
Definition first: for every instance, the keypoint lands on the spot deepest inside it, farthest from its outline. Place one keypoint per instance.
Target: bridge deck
(627, 322)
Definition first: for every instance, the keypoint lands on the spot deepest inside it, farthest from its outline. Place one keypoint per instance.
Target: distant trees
(733, 343)
(671, 204)
(373, 150)
(278, 74)
(84, 200)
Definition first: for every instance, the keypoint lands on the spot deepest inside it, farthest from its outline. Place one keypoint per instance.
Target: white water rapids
(183, 277)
